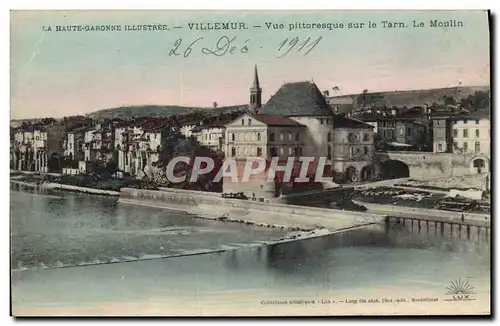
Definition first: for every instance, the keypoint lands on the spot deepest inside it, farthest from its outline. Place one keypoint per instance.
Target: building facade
(472, 135)
(352, 151)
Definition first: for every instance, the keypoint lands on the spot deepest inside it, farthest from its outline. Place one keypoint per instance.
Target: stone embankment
(212, 206)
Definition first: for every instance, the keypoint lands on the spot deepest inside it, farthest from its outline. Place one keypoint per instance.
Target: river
(90, 254)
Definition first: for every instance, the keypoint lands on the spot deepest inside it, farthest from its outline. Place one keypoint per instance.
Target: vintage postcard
(250, 163)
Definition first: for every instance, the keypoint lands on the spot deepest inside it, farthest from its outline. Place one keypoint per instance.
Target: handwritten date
(229, 46)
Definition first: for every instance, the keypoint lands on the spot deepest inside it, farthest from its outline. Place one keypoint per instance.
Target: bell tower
(255, 93)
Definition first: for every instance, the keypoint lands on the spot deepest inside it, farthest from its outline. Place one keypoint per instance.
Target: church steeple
(255, 93)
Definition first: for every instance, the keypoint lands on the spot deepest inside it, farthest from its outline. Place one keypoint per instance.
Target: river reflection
(50, 229)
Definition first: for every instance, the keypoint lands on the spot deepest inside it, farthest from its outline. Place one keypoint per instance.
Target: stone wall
(211, 206)
(424, 165)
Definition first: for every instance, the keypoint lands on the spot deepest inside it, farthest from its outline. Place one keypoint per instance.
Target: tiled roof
(479, 114)
(276, 120)
(381, 117)
(297, 99)
(447, 113)
(341, 121)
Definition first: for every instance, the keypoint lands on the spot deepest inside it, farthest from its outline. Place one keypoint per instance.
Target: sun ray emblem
(460, 289)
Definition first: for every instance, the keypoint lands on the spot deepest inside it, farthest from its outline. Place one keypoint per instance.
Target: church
(298, 122)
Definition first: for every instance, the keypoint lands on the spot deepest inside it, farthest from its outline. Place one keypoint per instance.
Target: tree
(191, 148)
(480, 100)
(111, 166)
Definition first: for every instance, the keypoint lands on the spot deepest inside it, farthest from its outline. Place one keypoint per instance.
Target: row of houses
(298, 120)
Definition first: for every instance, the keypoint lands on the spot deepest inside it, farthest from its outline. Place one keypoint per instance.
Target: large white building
(471, 134)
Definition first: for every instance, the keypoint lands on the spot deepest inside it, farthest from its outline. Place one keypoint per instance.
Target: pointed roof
(256, 84)
(298, 99)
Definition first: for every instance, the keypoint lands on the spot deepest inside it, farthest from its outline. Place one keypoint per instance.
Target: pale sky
(65, 73)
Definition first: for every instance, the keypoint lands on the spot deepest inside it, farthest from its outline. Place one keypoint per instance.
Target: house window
(329, 137)
(477, 147)
(477, 121)
(126, 159)
(290, 137)
(409, 130)
(249, 122)
(271, 136)
(466, 146)
(440, 147)
(298, 151)
(401, 131)
(366, 137)
(259, 151)
(258, 136)
(233, 151)
(245, 151)
(455, 133)
(242, 122)
(273, 151)
(366, 150)
(466, 133)
(281, 151)
(297, 136)
(329, 156)
(282, 136)
(322, 121)
(290, 150)
(233, 136)
(477, 133)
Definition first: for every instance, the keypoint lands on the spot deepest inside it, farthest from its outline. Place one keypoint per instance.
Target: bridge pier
(456, 226)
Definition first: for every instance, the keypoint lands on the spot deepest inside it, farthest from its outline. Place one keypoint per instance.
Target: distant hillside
(158, 110)
(411, 98)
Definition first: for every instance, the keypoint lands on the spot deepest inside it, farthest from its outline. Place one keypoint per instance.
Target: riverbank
(69, 188)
